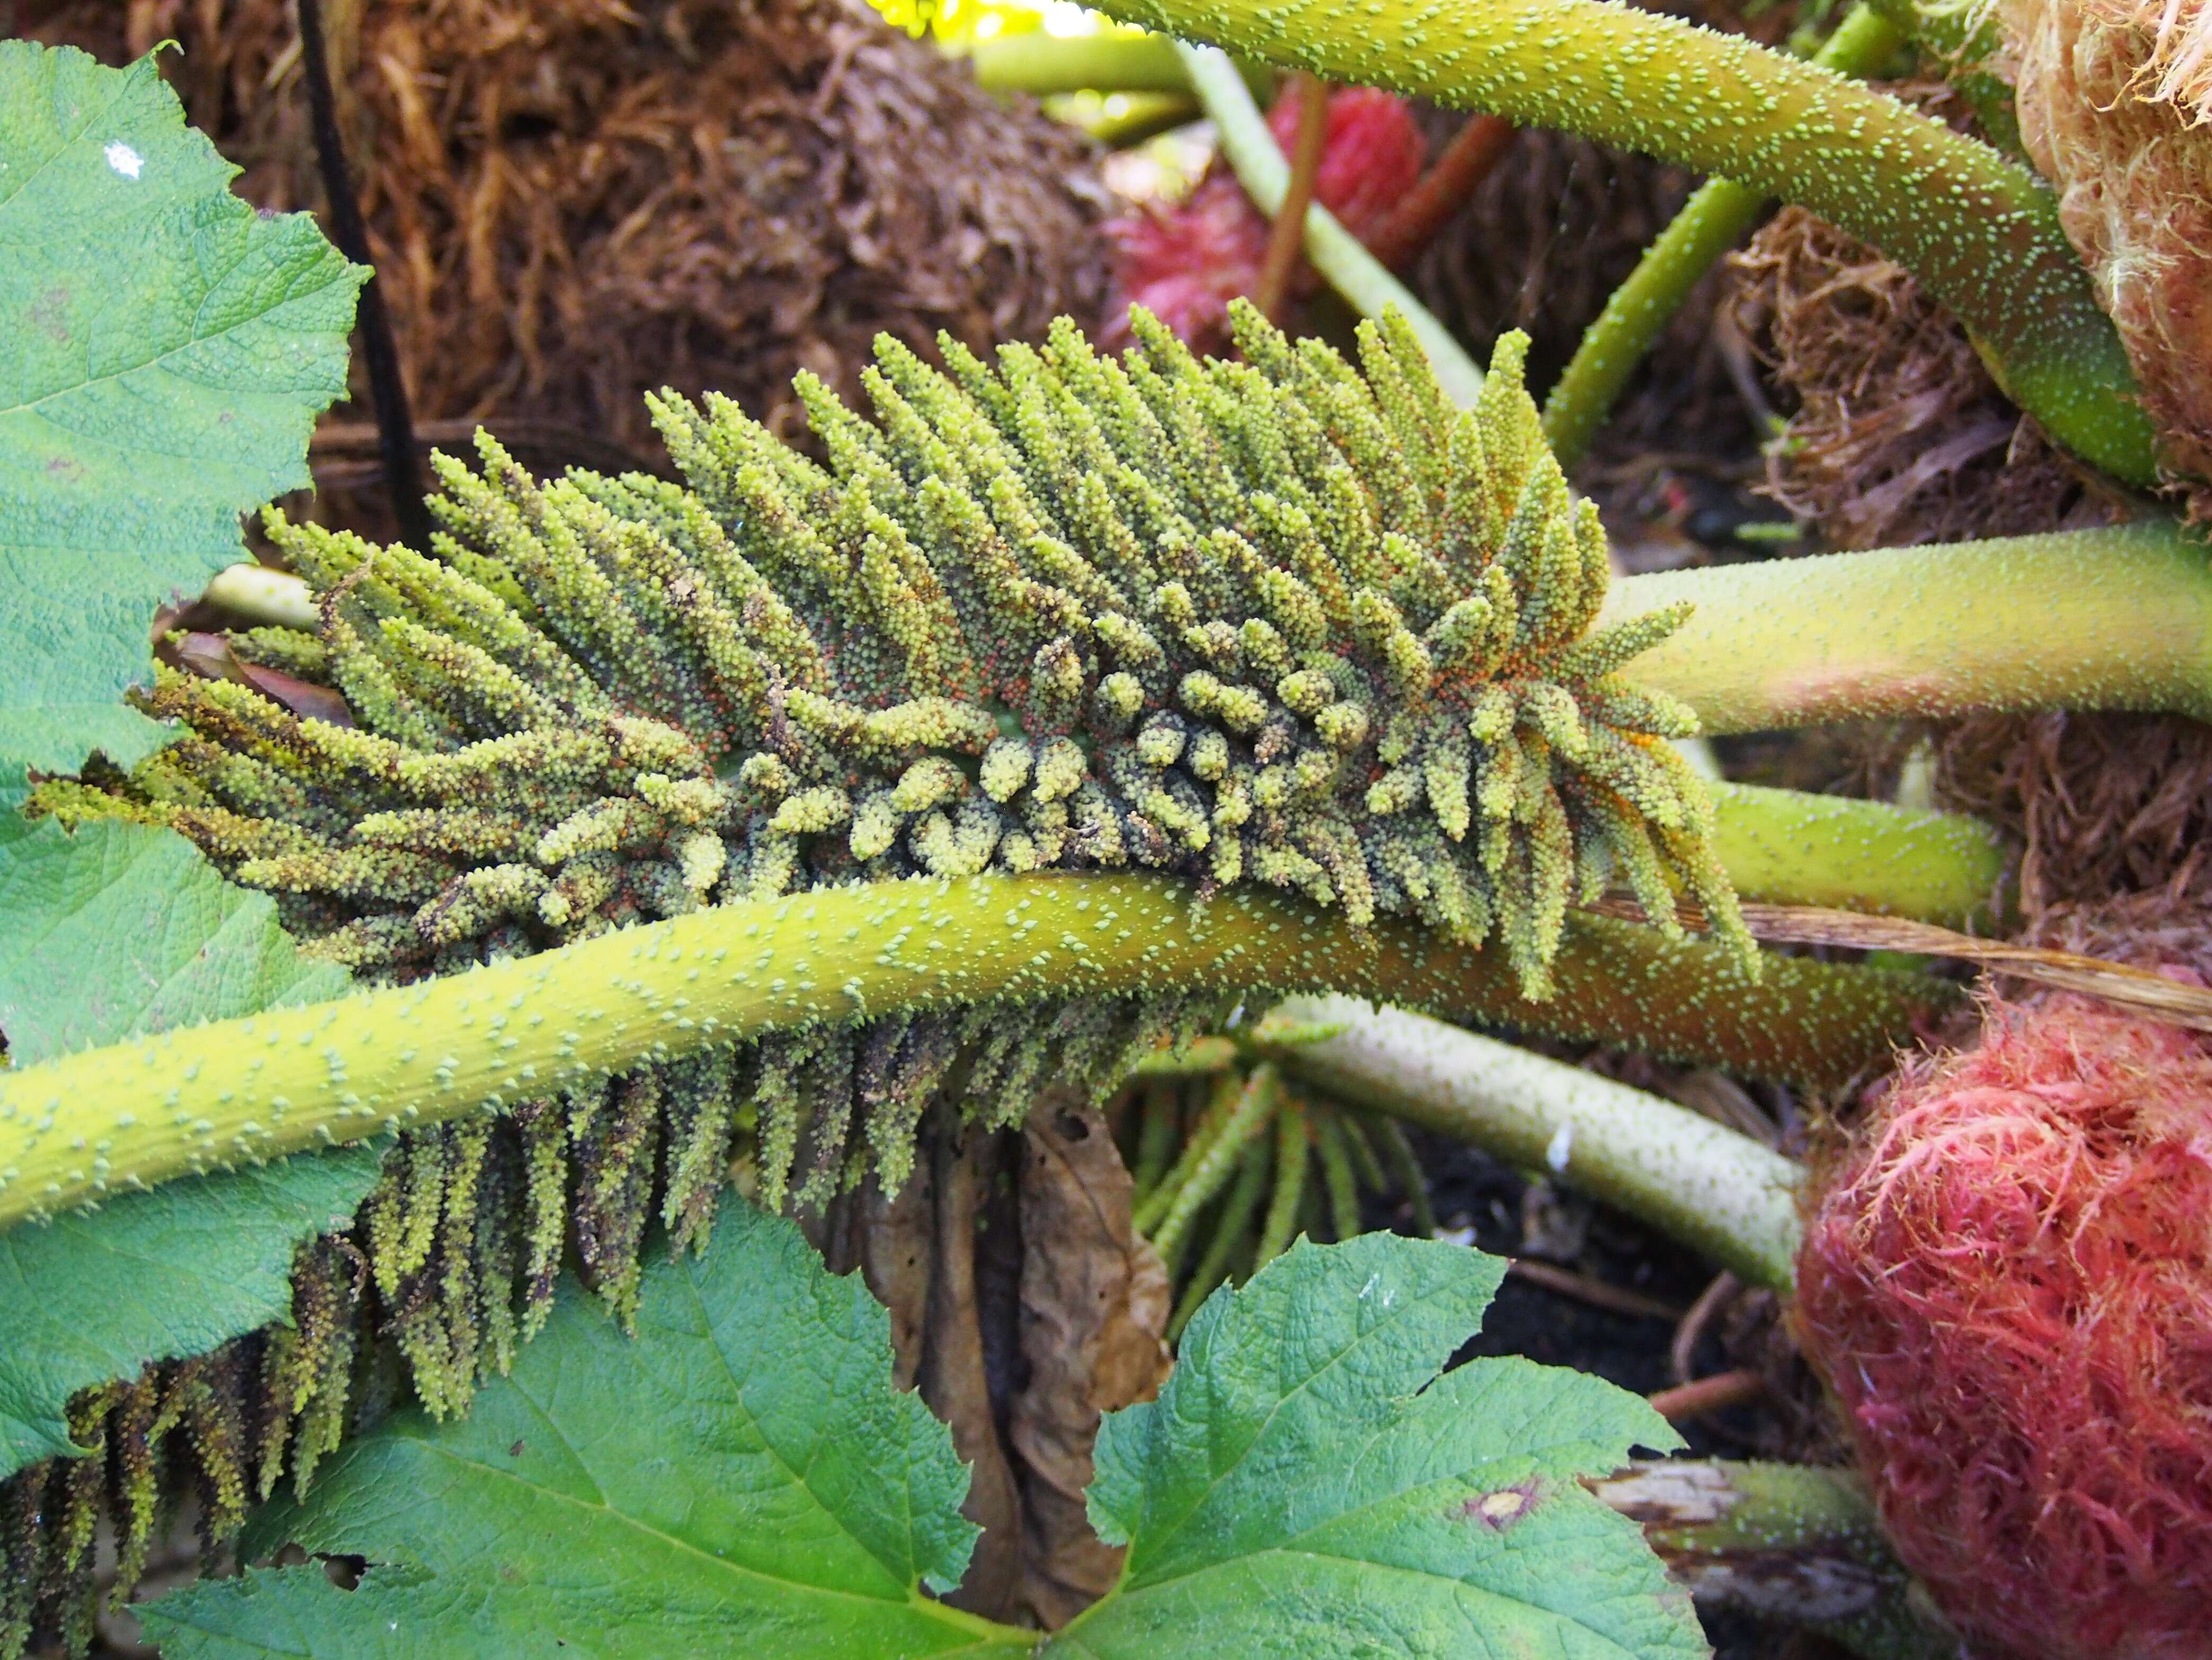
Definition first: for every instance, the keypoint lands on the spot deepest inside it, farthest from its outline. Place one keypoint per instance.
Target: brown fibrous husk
(1900, 435)
(2102, 804)
(572, 202)
(2096, 86)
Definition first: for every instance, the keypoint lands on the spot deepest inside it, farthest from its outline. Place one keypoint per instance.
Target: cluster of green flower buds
(1280, 622)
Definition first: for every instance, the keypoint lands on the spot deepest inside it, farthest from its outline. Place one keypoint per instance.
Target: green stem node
(147, 1110)
(1980, 231)
(1716, 1190)
(1711, 222)
(2102, 619)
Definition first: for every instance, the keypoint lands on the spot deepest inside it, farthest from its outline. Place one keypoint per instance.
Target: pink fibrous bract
(2007, 1282)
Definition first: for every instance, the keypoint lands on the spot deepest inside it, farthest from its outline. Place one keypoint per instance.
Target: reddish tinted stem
(1474, 149)
(1287, 238)
(1719, 1392)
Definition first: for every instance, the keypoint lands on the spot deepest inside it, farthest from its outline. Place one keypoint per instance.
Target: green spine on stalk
(1981, 231)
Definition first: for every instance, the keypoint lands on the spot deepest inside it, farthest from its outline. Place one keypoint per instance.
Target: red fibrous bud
(1371, 157)
(1187, 262)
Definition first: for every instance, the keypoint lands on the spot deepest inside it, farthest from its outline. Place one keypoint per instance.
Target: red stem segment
(1286, 238)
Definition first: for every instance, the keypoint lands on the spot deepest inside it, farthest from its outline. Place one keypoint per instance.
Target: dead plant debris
(1898, 436)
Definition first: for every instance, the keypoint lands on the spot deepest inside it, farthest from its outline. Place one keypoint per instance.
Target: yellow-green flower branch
(1711, 222)
(2105, 619)
(149, 1111)
(1981, 231)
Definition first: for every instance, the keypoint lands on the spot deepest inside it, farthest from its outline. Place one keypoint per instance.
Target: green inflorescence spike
(1284, 621)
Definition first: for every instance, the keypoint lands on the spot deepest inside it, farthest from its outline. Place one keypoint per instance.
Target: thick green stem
(1980, 231)
(1637, 313)
(1141, 115)
(153, 1109)
(1788, 848)
(1713, 1189)
(1040, 64)
(1366, 285)
(1710, 223)
(1783, 1540)
(2106, 619)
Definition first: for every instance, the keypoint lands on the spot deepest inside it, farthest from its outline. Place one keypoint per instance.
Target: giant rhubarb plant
(1076, 704)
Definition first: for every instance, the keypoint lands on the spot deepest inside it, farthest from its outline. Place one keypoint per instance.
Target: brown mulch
(1022, 1306)
(2104, 804)
(1900, 435)
(572, 202)
(1897, 434)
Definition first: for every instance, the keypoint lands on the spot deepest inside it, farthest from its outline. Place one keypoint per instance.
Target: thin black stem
(395, 424)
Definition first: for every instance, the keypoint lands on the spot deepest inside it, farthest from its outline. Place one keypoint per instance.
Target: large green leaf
(119, 928)
(1306, 1485)
(739, 1478)
(97, 1294)
(167, 352)
(116, 930)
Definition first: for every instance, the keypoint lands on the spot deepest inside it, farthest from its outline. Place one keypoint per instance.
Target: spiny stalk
(732, 828)
(2101, 619)
(1979, 229)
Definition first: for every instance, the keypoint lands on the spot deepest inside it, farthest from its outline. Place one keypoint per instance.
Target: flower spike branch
(1981, 231)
